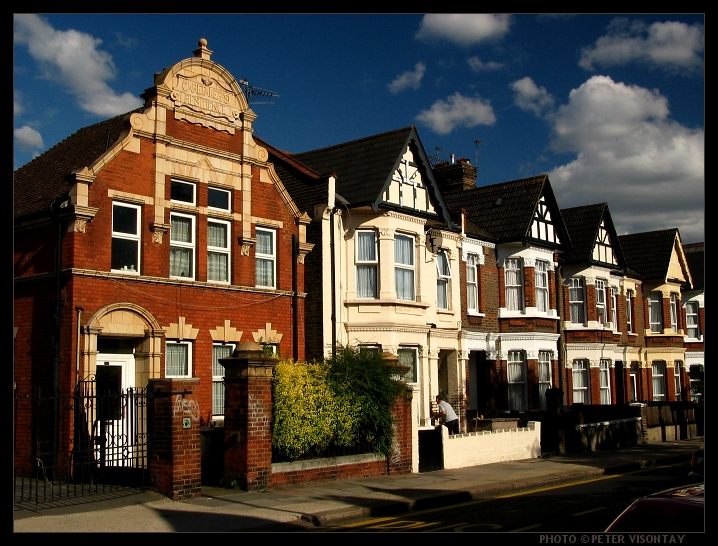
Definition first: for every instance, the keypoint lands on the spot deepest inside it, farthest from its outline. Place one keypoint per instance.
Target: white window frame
(545, 376)
(629, 312)
(516, 373)
(409, 356)
(581, 381)
(228, 193)
(514, 284)
(261, 257)
(655, 312)
(188, 364)
(184, 245)
(677, 366)
(614, 308)
(443, 280)
(218, 378)
(402, 268)
(658, 380)
(122, 237)
(366, 264)
(178, 183)
(633, 378)
(601, 301)
(541, 281)
(472, 283)
(577, 300)
(220, 251)
(692, 320)
(604, 376)
(674, 312)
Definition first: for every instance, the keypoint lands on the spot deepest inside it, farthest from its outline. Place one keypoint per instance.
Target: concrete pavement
(342, 501)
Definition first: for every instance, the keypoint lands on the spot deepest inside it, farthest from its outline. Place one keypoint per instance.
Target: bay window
(367, 264)
(541, 280)
(513, 280)
(577, 298)
(604, 375)
(601, 301)
(404, 267)
(443, 278)
(655, 312)
(580, 379)
(472, 283)
(516, 375)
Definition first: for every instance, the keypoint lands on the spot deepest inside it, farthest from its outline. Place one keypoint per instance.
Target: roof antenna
(252, 92)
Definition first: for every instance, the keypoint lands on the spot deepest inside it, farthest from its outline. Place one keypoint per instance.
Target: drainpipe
(295, 298)
(54, 206)
(332, 273)
(561, 346)
(79, 337)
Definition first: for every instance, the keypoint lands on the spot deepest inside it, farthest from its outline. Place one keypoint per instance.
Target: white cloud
(464, 29)
(17, 107)
(671, 45)
(630, 154)
(532, 98)
(411, 79)
(28, 139)
(74, 60)
(477, 65)
(457, 111)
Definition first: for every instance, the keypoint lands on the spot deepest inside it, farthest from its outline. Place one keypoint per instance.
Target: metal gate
(93, 443)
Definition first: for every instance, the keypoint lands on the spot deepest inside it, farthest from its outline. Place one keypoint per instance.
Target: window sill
(386, 302)
(475, 314)
(126, 272)
(527, 313)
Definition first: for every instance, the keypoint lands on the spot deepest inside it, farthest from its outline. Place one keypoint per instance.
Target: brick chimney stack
(456, 176)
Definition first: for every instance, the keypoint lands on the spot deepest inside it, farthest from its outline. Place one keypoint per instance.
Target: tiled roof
(506, 210)
(362, 166)
(43, 178)
(695, 255)
(649, 253)
(582, 224)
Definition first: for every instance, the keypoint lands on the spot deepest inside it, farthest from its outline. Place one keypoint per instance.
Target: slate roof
(649, 253)
(583, 224)
(695, 255)
(364, 167)
(43, 178)
(506, 210)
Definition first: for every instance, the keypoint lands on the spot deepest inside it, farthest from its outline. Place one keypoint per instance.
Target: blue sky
(610, 106)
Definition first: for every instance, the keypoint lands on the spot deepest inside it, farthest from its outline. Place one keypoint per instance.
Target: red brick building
(150, 244)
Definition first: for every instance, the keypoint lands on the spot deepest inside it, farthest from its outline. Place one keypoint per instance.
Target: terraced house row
(151, 244)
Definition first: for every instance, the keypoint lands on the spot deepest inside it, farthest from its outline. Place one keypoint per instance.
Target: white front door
(114, 375)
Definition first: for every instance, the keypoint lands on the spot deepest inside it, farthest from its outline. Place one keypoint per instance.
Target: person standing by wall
(445, 411)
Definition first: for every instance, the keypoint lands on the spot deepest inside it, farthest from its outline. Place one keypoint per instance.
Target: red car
(677, 510)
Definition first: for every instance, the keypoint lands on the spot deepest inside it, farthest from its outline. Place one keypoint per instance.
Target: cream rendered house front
(396, 280)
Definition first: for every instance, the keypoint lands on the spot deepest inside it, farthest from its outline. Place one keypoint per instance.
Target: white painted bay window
(513, 280)
(541, 280)
(367, 264)
(443, 279)
(404, 267)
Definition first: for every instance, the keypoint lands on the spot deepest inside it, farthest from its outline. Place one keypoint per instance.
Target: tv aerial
(252, 92)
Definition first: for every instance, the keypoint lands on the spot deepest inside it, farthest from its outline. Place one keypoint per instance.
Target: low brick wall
(322, 470)
(477, 448)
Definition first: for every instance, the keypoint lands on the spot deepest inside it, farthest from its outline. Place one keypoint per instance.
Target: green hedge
(341, 401)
